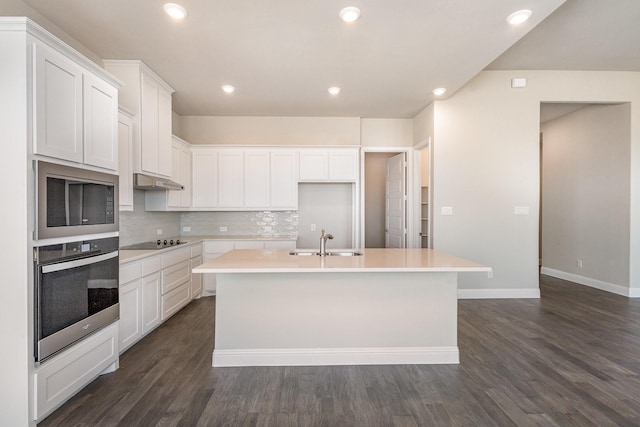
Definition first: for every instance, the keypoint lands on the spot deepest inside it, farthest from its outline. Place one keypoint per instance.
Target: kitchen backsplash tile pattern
(265, 223)
(140, 226)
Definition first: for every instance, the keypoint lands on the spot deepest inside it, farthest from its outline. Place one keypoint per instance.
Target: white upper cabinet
(149, 98)
(335, 164)
(174, 200)
(125, 168)
(257, 187)
(75, 111)
(244, 179)
(284, 180)
(100, 123)
(205, 178)
(230, 179)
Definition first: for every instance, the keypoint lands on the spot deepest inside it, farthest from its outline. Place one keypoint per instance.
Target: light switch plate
(521, 210)
(223, 228)
(446, 210)
(186, 229)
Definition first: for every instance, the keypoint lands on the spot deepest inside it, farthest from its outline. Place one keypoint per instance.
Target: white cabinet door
(125, 165)
(196, 278)
(149, 144)
(130, 326)
(230, 178)
(314, 165)
(151, 308)
(100, 123)
(173, 196)
(58, 97)
(284, 180)
(205, 179)
(256, 179)
(343, 165)
(164, 131)
(185, 177)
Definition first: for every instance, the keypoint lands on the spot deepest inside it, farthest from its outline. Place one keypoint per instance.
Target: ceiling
(282, 55)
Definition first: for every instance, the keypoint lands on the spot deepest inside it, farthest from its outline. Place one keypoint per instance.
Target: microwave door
(94, 204)
(75, 201)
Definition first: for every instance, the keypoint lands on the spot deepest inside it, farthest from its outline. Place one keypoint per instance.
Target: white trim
(336, 356)
(592, 283)
(498, 293)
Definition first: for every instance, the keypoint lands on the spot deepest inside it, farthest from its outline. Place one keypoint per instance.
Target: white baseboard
(593, 283)
(336, 356)
(498, 293)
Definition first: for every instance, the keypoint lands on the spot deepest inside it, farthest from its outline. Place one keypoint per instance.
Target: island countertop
(371, 260)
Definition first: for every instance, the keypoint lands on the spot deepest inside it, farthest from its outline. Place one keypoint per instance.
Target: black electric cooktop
(158, 244)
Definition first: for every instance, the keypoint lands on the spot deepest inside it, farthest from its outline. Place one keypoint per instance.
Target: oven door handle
(78, 263)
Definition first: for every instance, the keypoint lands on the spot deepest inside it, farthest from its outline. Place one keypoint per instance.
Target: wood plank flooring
(571, 358)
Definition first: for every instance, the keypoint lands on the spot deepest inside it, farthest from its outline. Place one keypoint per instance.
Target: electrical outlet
(446, 210)
(579, 263)
(490, 274)
(223, 228)
(159, 232)
(186, 229)
(313, 227)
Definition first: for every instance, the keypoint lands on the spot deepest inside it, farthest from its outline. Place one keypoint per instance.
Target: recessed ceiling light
(334, 90)
(175, 10)
(439, 91)
(519, 17)
(350, 14)
(228, 88)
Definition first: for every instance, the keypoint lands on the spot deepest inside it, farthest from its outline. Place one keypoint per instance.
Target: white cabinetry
(125, 168)
(196, 278)
(176, 280)
(66, 373)
(151, 286)
(246, 179)
(75, 111)
(174, 200)
(326, 165)
(149, 98)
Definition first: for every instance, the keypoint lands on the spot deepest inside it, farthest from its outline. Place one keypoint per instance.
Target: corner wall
(585, 196)
(486, 163)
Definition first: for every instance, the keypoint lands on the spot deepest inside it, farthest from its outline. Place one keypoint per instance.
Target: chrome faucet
(323, 242)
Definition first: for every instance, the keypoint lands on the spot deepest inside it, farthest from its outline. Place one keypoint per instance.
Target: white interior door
(396, 202)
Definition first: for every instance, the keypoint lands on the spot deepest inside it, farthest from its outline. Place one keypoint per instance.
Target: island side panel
(335, 318)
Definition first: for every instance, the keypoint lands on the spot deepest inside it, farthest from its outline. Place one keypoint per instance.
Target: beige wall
(271, 130)
(486, 162)
(423, 125)
(585, 193)
(387, 132)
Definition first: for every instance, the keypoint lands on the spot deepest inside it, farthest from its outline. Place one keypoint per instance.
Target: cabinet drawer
(217, 247)
(174, 276)
(196, 250)
(151, 265)
(175, 256)
(65, 374)
(130, 271)
(175, 300)
(249, 245)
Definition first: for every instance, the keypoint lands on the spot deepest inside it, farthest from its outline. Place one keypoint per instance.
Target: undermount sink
(329, 253)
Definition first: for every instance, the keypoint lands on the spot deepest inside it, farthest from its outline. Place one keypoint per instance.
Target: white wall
(271, 130)
(329, 206)
(423, 125)
(486, 162)
(585, 194)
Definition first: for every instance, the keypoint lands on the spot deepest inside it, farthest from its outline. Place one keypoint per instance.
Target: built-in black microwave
(74, 202)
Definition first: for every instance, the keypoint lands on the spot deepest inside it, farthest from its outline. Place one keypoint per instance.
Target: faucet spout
(323, 242)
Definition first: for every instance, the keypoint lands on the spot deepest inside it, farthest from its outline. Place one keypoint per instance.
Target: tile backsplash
(140, 226)
(267, 223)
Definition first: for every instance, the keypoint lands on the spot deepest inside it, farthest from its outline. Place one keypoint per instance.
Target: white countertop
(132, 255)
(372, 260)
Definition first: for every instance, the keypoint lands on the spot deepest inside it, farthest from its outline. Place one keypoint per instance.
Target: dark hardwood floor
(571, 358)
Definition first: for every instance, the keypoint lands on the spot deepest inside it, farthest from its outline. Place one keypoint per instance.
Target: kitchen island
(386, 306)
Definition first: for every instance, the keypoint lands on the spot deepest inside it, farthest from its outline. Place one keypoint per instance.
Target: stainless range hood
(148, 182)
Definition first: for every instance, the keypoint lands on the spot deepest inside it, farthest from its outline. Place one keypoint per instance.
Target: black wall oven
(76, 292)
(74, 202)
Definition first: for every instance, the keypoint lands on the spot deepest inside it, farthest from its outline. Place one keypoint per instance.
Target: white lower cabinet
(151, 302)
(176, 281)
(65, 374)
